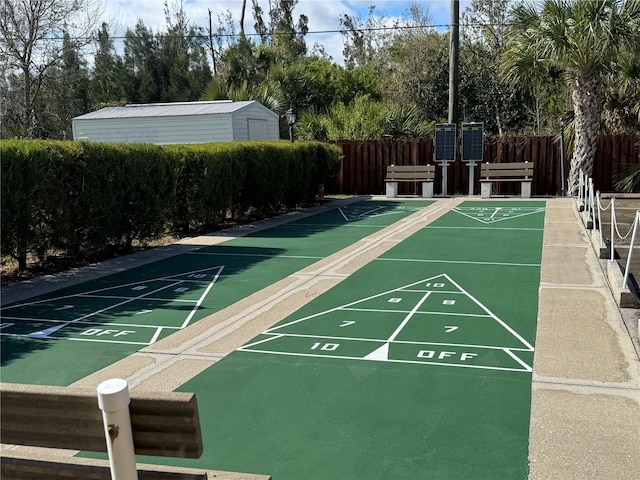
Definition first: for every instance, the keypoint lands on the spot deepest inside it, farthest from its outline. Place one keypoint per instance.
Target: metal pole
(580, 191)
(562, 190)
(633, 239)
(444, 178)
(590, 214)
(598, 205)
(472, 167)
(613, 220)
(113, 399)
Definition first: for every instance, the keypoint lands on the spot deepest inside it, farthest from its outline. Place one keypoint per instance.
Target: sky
(323, 15)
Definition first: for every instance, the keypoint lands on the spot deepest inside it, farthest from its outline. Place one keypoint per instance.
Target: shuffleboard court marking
(333, 225)
(356, 212)
(517, 229)
(435, 309)
(202, 297)
(116, 296)
(463, 262)
(262, 255)
(489, 215)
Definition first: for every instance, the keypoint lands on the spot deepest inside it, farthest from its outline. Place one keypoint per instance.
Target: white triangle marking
(46, 332)
(380, 354)
(492, 218)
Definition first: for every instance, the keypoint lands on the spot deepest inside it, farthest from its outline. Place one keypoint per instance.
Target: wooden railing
(365, 163)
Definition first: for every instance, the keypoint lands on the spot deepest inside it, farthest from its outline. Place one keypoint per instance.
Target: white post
(113, 399)
(590, 208)
(444, 178)
(598, 206)
(633, 239)
(580, 190)
(613, 221)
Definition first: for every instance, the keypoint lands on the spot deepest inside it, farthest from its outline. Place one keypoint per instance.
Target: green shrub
(88, 199)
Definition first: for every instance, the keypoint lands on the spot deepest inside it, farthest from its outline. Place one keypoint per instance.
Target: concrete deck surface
(585, 415)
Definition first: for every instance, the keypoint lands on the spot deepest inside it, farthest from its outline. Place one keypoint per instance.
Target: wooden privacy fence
(365, 163)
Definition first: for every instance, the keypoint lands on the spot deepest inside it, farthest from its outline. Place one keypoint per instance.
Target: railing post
(581, 191)
(613, 221)
(590, 217)
(599, 207)
(633, 239)
(113, 399)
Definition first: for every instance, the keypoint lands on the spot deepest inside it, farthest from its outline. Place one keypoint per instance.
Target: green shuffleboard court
(417, 366)
(60, 337)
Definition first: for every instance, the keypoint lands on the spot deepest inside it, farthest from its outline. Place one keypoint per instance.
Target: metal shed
(179, 122)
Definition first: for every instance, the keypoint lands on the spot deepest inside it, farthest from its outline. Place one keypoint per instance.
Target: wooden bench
(410, 173)
(506, 172)
(162, 423)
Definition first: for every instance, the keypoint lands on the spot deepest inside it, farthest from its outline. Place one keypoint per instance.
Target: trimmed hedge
(88, 199)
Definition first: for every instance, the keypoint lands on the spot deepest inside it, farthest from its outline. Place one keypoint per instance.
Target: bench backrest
(515, 170)
(411, 172)
(164, 424)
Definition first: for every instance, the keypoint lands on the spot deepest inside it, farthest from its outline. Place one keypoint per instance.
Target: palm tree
(583, 38)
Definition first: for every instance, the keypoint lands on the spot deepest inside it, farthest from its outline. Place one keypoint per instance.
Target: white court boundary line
(381, 353)
(262, 255)
(415, 362)
(487, 228)
(380, 340)
(61, 323)
(497, 209)
(462, 262)
(169, 278)
(372, 212)
(174, 279)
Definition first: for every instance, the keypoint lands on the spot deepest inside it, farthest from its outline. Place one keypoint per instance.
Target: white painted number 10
(327, 347)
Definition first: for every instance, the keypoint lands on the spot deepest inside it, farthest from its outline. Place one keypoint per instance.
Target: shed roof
(174, 109)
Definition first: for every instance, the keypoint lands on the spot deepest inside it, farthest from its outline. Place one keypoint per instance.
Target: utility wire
(315, 32)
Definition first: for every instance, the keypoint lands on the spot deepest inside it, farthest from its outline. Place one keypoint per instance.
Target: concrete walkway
(585, 419)
(585, 415)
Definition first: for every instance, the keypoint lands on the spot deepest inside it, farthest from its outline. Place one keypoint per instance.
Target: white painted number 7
(450, 328)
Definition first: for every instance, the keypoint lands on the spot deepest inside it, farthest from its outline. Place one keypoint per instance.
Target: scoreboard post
(445, 151)
(472, 148)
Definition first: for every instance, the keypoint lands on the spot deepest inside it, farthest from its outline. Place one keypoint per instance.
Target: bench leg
(485, 189)
(526, 190)
(427, 189)
(392, 189)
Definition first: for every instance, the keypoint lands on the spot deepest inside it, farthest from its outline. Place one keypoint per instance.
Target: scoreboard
(445, 143)
(472, 142)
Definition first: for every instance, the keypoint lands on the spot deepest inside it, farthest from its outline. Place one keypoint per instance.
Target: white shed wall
(254, 112)
(158, 130)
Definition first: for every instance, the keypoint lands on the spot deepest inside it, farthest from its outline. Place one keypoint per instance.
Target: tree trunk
(22, 260)
(586, 109)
